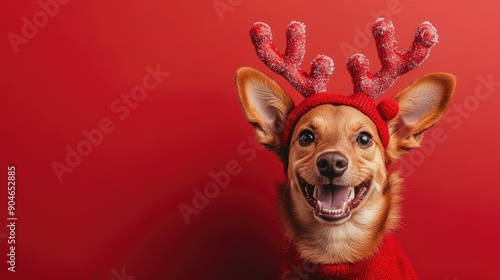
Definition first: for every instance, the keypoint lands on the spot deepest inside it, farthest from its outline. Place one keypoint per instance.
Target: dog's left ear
(421, 106)
(265, 105)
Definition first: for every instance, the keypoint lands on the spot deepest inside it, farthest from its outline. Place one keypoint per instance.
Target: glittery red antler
(394, 63)
(288, 64)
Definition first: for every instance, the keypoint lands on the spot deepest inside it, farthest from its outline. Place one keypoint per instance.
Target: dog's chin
(334, 204)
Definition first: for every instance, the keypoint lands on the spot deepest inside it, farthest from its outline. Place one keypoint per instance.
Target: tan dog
(339, 201)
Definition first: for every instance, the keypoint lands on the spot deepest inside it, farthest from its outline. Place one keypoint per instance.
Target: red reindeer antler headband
(367, 86)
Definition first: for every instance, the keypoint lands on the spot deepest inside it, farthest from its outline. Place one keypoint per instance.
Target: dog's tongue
(333, 197)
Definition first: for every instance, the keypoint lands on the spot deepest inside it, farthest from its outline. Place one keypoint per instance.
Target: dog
(339, 204)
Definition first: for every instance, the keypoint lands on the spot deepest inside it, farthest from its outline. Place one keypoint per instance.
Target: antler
(394, 63)
(288, 64)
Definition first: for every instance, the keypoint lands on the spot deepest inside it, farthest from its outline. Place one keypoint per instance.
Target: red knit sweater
(389, 263)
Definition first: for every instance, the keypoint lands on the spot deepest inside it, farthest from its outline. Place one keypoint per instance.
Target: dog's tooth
(344, 206)
(315, 192)
(319, 205)
(351, 194)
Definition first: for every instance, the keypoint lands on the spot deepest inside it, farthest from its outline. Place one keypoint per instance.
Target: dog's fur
(336, 129)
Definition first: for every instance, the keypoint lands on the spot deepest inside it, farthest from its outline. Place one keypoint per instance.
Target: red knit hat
(367, 86)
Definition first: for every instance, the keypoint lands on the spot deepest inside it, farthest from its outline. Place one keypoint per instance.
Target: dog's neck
(389, 262)
(351, 242)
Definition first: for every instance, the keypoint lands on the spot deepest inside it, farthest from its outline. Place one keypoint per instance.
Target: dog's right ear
(266, 106)
(422, 104)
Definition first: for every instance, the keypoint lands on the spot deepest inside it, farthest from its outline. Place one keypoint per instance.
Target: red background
(119, 208)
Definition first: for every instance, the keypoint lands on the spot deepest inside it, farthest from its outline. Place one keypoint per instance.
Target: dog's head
(339, 199)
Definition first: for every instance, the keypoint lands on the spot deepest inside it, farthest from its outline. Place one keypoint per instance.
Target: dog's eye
(364, 140)
(306, 137)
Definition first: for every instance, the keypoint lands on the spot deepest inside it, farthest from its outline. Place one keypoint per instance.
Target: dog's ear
(265, 104)
(421, 106)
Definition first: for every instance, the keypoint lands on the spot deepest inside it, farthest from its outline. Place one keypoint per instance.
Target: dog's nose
(332, 164)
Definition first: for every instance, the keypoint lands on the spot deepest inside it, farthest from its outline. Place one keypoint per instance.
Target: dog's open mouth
(332, 202)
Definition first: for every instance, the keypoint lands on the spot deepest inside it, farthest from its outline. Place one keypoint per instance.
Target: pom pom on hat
(388, 108)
